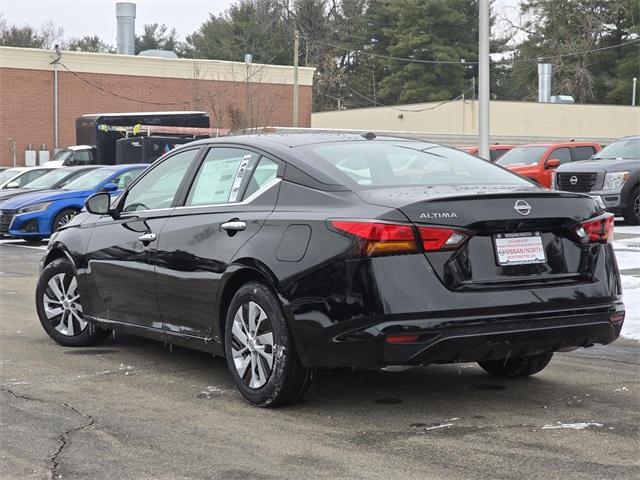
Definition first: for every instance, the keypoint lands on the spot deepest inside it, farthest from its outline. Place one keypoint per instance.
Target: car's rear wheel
(517, 367)
(632, 212)
(59, 308)
(260, 352)
(62, 218)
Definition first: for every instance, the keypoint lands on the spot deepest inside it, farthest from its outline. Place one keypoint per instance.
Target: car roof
(561, 144)
(292, 140)
(127, 166)
(74, 148)
(79, 167)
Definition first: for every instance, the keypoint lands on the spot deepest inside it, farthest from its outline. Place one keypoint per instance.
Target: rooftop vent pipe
(544, 82)
(126, 15)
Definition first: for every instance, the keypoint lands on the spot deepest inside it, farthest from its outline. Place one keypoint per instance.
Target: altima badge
(522, 207)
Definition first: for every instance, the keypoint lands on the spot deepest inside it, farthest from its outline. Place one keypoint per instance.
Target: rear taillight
(598, 230)
(379, 238)
(376, 238)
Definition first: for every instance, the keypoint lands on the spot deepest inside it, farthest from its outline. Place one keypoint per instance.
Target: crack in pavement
(62, 438)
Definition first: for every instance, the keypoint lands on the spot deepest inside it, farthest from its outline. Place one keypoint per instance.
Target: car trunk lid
(492, 214)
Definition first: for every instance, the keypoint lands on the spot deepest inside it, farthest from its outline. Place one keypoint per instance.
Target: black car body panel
(341, 308)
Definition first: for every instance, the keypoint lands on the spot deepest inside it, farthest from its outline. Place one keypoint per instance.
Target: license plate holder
(521, 248)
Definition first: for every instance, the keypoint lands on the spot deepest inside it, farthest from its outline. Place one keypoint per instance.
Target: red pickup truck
(537, 161)
(495, 151)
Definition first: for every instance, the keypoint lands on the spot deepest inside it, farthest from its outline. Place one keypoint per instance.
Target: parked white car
(18, 177)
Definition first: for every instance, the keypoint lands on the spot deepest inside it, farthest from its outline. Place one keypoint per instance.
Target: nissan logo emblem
(522, 207)
(573, 180)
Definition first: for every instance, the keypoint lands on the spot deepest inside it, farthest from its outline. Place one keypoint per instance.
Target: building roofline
(186, 68)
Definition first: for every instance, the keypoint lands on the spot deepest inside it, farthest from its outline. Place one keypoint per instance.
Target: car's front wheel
(260, 352)
(59, 308)
(632, 212)
(517, 367)
(63, 217)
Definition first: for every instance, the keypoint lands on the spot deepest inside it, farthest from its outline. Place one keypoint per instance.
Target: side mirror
(98, 203)
(109, 187)
(14, 184)
(552, 163)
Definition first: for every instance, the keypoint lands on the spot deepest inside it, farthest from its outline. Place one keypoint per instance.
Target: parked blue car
(37, 215)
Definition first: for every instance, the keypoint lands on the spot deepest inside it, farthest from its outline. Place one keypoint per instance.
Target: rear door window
(80, 157)
(220, 176)
(265, 172)
(563, 154)
(496, 154)
(583, 153)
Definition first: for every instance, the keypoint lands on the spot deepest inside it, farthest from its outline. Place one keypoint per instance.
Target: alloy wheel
(61, 302)
(64, 219)
(636, 205)
(252, 345)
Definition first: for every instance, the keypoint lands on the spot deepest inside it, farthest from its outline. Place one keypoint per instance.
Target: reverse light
(598, 230)
(377, 238)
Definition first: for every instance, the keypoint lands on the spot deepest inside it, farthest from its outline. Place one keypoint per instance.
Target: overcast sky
(97, 17)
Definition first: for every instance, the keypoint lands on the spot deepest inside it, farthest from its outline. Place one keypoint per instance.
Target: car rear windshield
(380, 164)
(522, 156)
(90, 180)
(629, 148)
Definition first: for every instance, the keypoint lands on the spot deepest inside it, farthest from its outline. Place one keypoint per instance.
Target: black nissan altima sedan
(286, 253)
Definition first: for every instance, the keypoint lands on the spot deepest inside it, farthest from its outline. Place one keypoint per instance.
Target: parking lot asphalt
(135, 409)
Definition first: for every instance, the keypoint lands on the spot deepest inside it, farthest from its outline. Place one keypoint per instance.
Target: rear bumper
(464, 340)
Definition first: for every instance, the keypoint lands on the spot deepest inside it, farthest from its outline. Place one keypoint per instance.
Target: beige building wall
(508, 119)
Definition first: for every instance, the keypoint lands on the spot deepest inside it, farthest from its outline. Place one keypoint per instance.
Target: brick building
(235, 95)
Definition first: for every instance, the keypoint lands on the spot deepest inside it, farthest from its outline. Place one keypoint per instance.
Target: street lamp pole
(296, 53)
(483, 80)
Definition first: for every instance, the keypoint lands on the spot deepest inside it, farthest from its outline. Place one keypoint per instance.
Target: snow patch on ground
(631, 298)
(629, 229)
(571, 426)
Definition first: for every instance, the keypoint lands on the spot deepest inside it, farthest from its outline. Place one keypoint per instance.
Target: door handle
(234, 226)
(147, 238)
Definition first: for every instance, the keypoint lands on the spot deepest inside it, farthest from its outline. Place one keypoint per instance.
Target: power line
(409, 110)
(162, 104)
(465, 62)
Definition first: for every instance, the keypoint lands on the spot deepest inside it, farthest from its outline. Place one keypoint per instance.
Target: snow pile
(628, 257)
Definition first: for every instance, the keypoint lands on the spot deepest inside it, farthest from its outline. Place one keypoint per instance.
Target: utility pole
(483, 80)
(296, 47)
(633, 92)
(55, 97)
(248, 59)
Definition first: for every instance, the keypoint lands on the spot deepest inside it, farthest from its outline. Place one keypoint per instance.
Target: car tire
(260, 352)
(33, 241)
(59, 308)
(517, 367)
(632, 212)
(63, 217)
